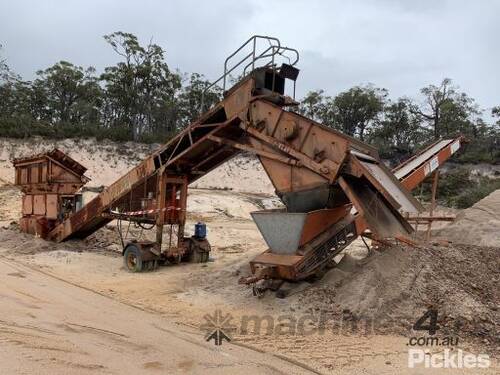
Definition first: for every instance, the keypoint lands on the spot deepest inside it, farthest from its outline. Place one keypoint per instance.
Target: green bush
(24, 126)
(484, 187)
(458, 188)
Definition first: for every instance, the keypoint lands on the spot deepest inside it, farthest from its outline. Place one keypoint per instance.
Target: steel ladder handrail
(275, 48)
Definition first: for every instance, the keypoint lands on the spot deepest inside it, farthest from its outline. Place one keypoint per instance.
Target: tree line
(137, 99)
(398, 128)
(142, 99)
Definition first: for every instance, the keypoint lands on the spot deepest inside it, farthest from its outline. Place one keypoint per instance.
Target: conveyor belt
(414, 171)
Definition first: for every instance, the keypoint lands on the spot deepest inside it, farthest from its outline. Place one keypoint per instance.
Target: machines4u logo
(218, 327)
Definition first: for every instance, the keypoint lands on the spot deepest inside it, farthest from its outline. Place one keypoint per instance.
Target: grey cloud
(400, 45)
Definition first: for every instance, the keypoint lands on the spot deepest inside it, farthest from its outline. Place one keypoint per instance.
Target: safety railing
(252, 57)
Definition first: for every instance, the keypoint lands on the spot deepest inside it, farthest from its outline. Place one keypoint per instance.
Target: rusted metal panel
(24, 175)
(320, 220)
(39, 204)
(28, 204)
(60, 174)
(52, 208)
(44, 172)
(34, 225)
(46, 188)
(320, 151)
(161, 199)
(325, 168)
(414, 171)
(34, 176)
(237, 99)
(286, 177)
(24, 224)
(382, 219)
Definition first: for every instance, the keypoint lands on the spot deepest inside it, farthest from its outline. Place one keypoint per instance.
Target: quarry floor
(72, 308)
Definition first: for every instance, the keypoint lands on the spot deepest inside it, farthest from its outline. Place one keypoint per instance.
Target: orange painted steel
(427, 161)
(259, 122)
(49, 183)
(339, 181)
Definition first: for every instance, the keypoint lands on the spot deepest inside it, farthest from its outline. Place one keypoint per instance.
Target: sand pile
(477, 225)
(394, 288)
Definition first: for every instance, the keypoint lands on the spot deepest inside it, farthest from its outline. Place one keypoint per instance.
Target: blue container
(200, 230)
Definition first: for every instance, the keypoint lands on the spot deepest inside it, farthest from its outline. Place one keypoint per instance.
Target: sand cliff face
(106, 161)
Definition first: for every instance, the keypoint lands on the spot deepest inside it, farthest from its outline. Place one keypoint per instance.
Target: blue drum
(200, 230)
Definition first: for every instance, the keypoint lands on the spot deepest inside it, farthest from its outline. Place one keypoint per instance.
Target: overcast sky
(401, 45)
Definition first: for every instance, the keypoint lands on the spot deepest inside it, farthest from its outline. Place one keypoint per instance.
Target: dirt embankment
(244, 174)
(107, 161)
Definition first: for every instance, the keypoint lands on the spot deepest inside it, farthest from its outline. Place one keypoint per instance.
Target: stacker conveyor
(334, 187)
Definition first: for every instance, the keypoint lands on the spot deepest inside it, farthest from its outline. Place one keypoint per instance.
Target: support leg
(182, 213)
(433, 203)
(160, 205)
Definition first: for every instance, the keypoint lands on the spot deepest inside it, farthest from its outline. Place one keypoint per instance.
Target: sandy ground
(184, 294)
(181, 296)
(51, 327)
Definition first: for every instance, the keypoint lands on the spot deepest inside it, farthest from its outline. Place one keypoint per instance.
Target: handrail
(251, 39)
(275, 48)
(261, 56)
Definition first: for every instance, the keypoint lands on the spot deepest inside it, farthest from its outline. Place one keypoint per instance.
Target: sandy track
(48, 326)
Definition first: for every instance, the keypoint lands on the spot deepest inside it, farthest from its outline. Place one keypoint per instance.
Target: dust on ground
(390, 289)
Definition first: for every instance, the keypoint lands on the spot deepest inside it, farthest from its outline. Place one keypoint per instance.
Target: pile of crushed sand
(477, 225)
(395, 287)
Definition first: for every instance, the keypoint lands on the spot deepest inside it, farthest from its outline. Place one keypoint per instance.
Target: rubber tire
(281, 294)
(133, 251)
(199, 256)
